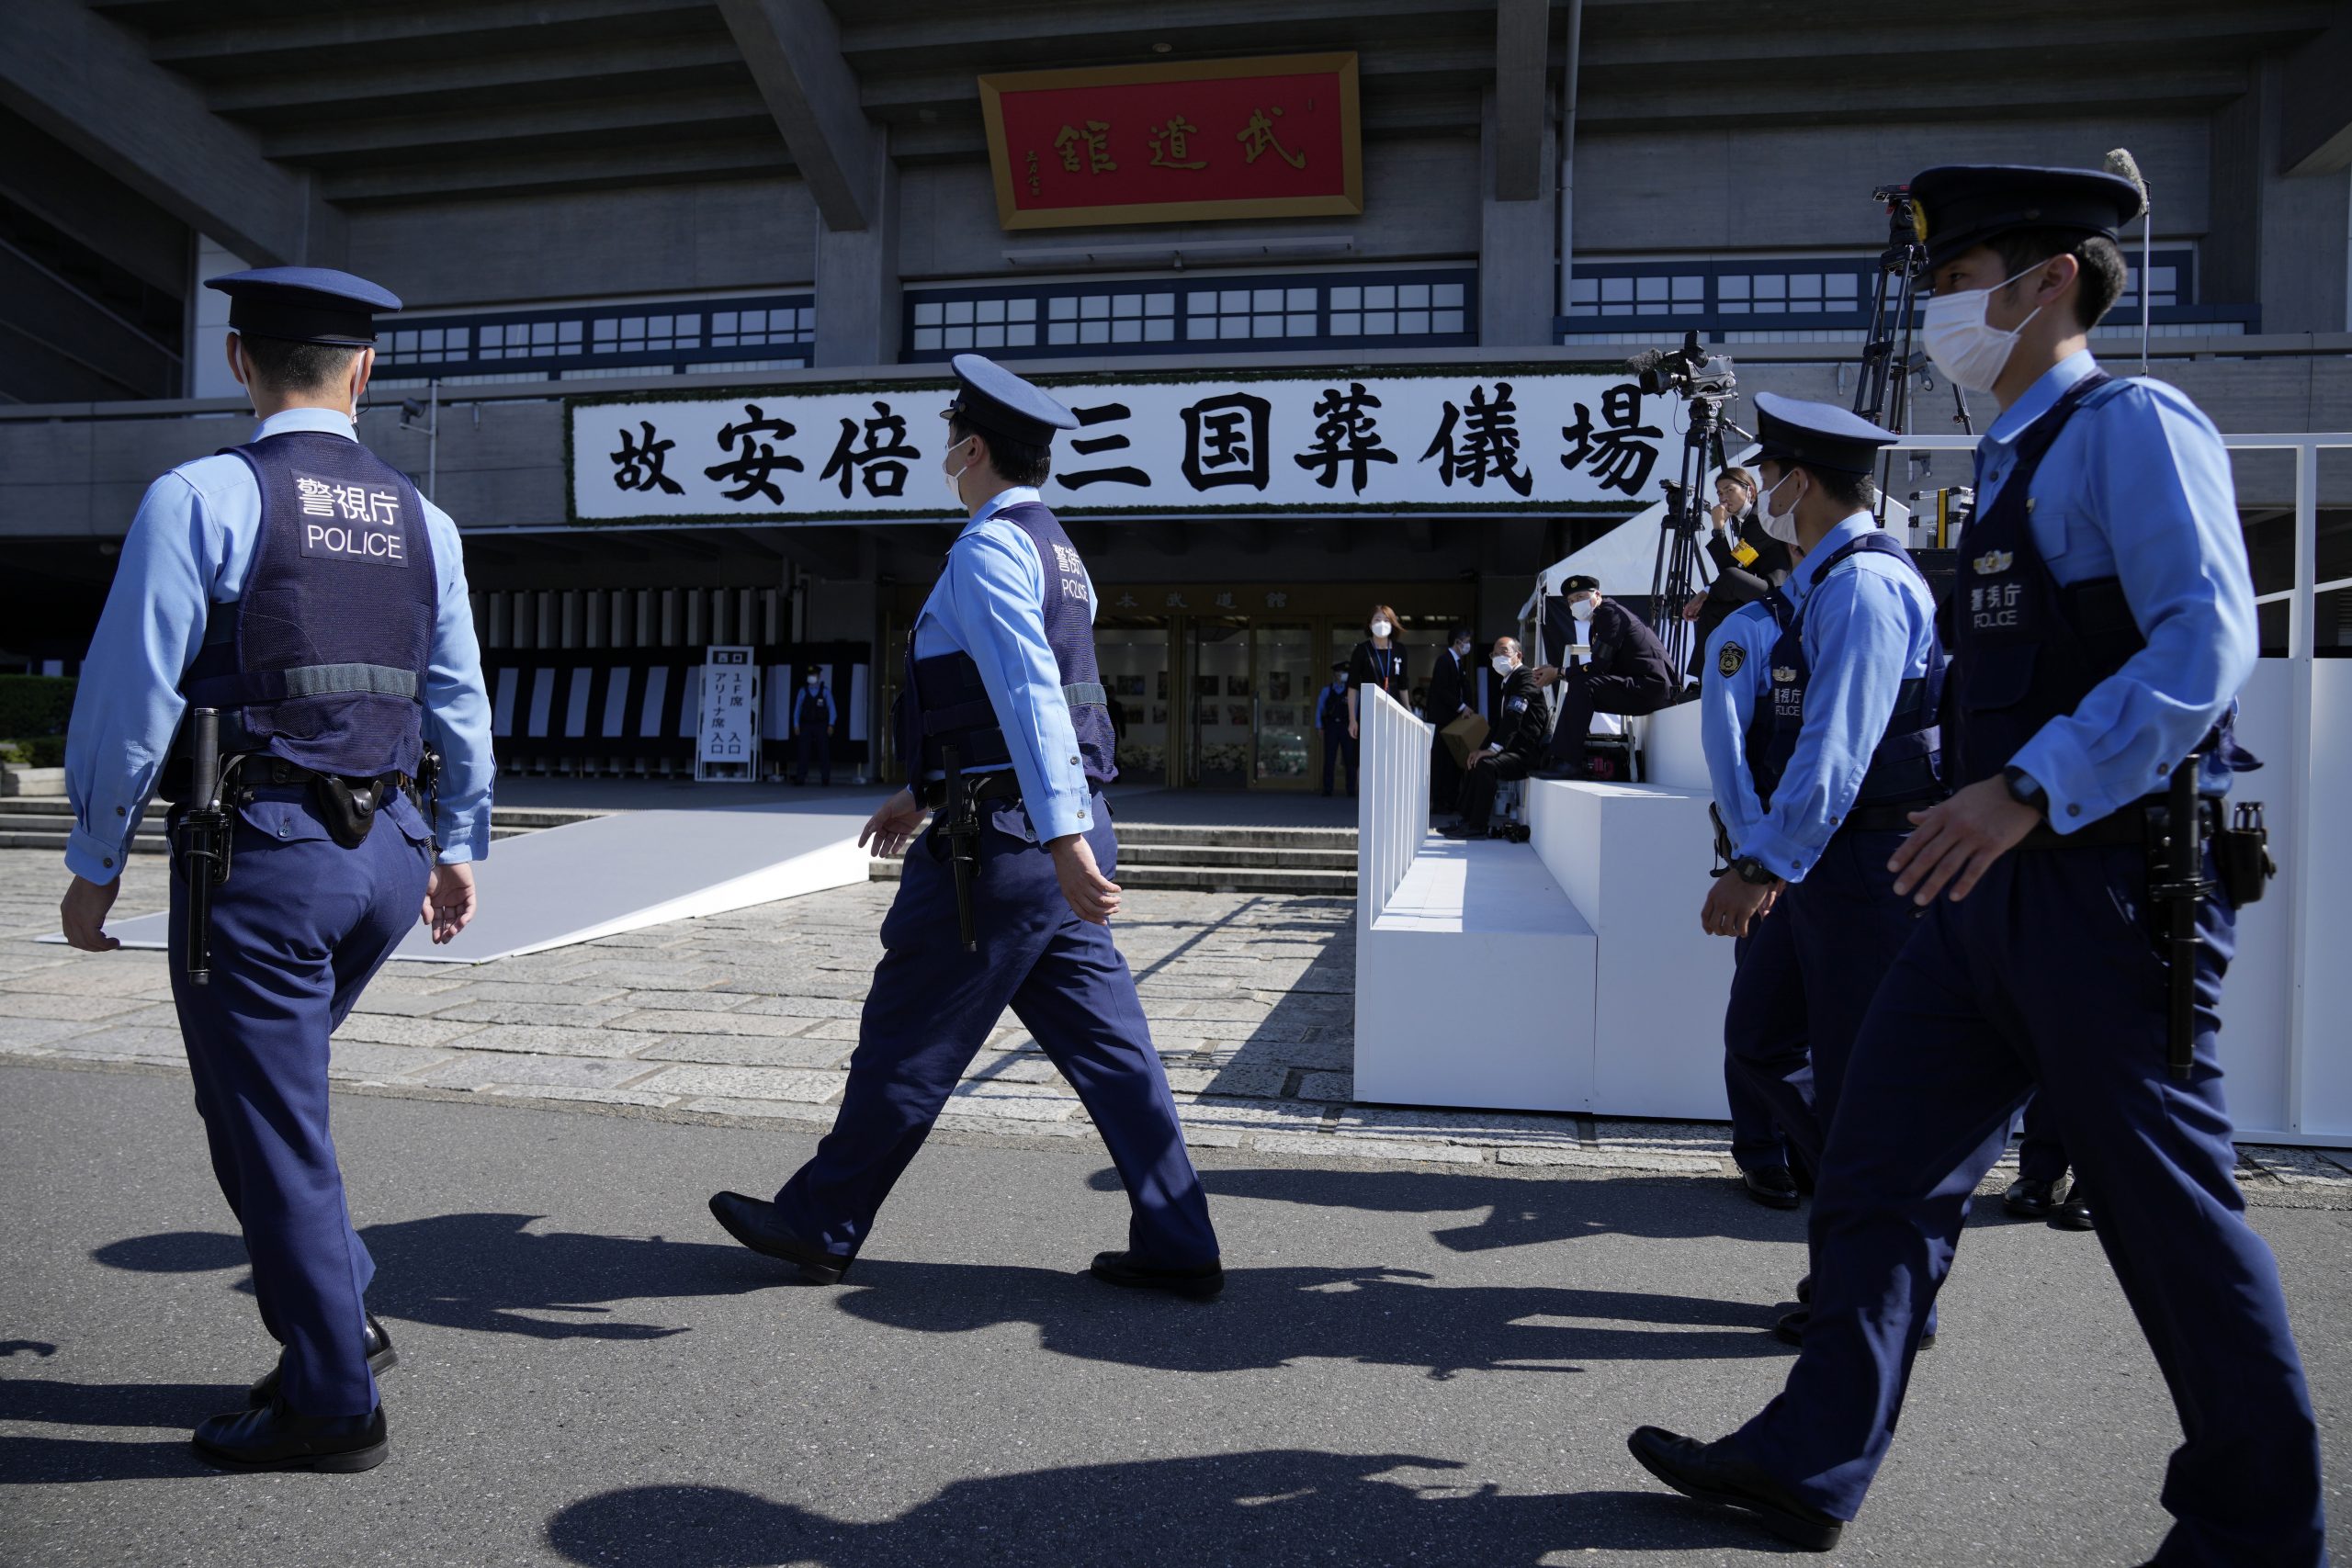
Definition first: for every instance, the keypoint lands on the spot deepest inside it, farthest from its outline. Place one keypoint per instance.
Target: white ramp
(1475, 986)
(630, 870)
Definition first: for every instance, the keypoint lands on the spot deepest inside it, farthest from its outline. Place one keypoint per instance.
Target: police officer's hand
(83, 914)
(1093, 897)
(1958, 840)
(893, 825)
(1734, 902)
(449, 902)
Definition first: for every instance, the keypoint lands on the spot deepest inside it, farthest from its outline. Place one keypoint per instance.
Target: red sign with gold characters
(1272, 138)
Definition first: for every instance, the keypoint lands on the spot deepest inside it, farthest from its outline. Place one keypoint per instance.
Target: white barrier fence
(1392, 800)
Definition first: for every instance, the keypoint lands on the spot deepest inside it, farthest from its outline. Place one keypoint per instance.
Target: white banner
(1445, 440)
(727, 738)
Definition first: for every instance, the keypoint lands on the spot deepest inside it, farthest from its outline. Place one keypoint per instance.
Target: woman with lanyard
(1377, 662)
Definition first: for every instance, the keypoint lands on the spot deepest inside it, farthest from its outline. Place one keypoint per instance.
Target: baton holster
(2177, 882)
(959, 829)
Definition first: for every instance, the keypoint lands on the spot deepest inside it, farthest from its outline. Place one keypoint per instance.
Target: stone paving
(750, 1018)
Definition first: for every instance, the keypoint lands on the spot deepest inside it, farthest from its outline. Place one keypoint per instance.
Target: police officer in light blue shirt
(1838, 749)
(302, 587)
(1004, 726)
(1768, 1022)
(2102, 624)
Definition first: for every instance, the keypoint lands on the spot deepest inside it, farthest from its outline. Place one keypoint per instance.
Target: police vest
(810, 712)
(946, 706)
(321, 659)
(1905, 765)
(2025, 648)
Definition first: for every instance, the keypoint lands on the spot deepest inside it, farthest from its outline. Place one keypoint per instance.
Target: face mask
(1583, 608)
(1381, 628)
(1504, 664)
(1781, 525)
(1967, 348)
(956, 482)
(812, 682)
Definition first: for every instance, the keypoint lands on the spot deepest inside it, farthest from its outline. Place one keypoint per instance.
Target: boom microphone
(2119, 162)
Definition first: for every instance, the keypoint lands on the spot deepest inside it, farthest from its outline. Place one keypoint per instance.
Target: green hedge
(35, 704)
(37, 751)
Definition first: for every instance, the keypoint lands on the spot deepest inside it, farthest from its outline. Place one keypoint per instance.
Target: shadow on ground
(1271, 1506)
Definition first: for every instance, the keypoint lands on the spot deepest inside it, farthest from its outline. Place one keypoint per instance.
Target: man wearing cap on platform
(1838, 749)
(2102, 625)
(301, 586)
(1007, 900)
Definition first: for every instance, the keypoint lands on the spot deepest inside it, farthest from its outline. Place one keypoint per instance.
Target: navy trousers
(299, 929)
(1839, 931)
(1339, 744)
(2042, 1157)
(931, 1008)
(2049, 979)
(813, 743)
(1764, 1022)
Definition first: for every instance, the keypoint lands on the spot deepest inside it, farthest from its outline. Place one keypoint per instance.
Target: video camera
(1689, 371)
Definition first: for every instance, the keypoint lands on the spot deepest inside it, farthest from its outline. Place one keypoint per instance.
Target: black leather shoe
(275, 1438)
(1791, 1327)
(2028, 1200)
(382, 1359)
(1770, 1185)
(2073, 1212)
(1704, 1472)
(755, 1223)
(1462, 831)
(1804, 1291)
(1198, 1284)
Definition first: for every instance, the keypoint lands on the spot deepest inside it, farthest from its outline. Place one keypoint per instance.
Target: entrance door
(1222, 704)
(1133, 662)
(1285, 686)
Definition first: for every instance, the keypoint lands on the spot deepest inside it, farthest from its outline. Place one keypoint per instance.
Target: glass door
(1286, 690)
(1135, 674)
(1222, 704)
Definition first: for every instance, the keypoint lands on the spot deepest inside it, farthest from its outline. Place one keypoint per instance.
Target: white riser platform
(1475, 986)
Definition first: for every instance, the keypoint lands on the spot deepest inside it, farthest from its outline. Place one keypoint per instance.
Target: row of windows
(575, 342)
(1431, 308)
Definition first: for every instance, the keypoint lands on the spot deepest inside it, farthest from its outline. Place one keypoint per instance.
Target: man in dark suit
(1513, 750)
(1629, 673)
(1451, 688)
(1749, 563)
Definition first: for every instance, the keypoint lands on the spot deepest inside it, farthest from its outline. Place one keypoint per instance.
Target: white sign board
(1439, 439)
(727, 745)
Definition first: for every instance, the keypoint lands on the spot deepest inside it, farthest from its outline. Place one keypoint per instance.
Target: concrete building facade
(732, 199)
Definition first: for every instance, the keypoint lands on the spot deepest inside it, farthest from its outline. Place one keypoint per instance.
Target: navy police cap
(305, 304)
(1819, 435)
(1960, 206)
(994, 400)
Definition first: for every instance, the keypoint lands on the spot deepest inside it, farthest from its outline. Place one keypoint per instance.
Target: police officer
(2103, 623)
(1515, 748)
(1331, 719)
(1769, 1023)
(299, 585)
(1840, 747)
(1007, 901)
(812, 728)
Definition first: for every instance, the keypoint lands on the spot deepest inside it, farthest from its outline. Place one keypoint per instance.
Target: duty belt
(1003, 783)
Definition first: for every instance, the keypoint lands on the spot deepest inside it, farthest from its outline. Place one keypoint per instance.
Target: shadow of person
(492, 1273)
(49, 1461)
(1518, 1211)
(30, 1460)
(1275, 1317)
(1271, 1505)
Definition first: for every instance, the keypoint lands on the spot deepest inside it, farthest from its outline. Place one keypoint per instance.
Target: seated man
(1629, 674)
(1512, 749)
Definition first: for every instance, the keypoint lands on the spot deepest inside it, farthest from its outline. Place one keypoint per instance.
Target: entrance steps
(1170, 858)
(37, 823)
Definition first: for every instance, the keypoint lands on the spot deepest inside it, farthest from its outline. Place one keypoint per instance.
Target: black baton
(201, 833)
(2185, 888)
(962, 829)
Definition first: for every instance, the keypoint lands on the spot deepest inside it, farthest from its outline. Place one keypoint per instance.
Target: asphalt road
(1410, 1365)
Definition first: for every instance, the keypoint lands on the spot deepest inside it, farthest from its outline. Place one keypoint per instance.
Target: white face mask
(1781, 525)
(955, 480)
(1381, 628)
(1583, 608)
(1967, 348)
(1504, 664)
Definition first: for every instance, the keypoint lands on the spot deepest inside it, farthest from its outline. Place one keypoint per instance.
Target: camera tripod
(1677, 573)
(1882, 393)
